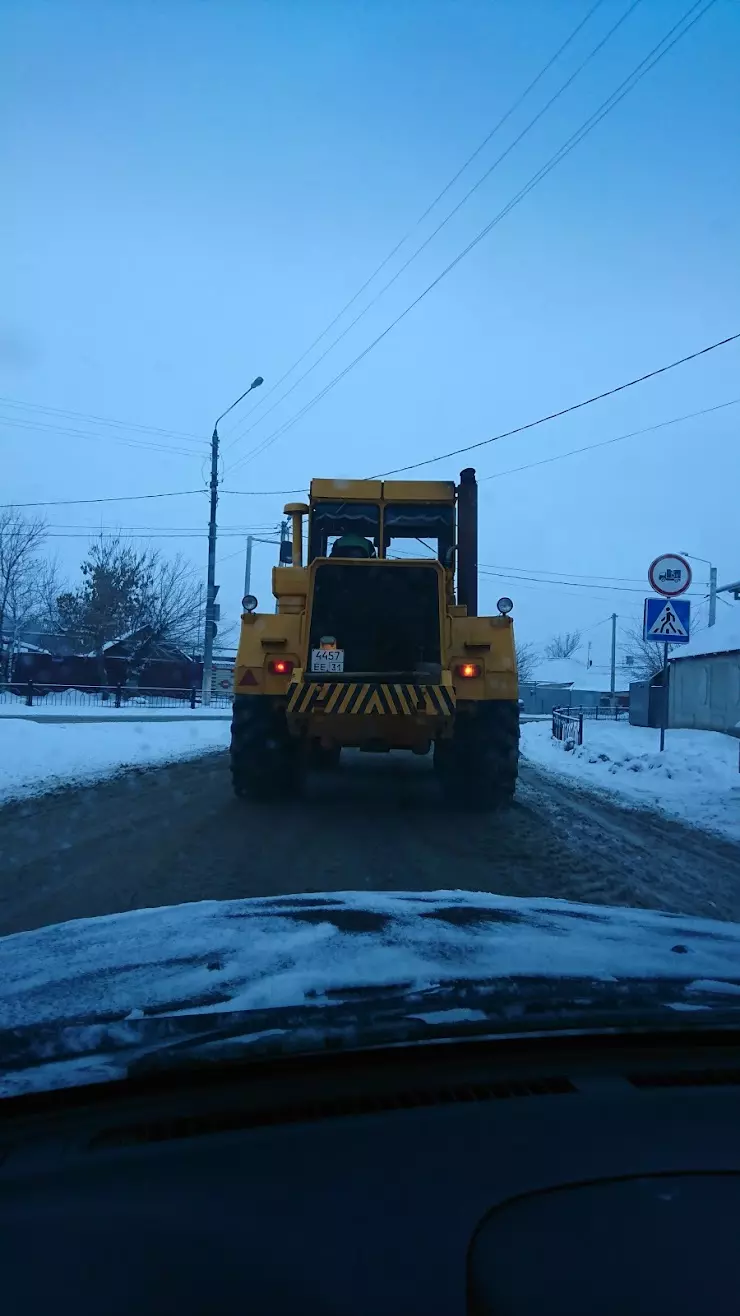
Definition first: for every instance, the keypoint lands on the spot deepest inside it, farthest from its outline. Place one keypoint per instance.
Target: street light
(712, 584)
(211, 580)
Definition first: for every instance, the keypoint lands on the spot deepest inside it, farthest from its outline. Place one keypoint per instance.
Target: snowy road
(175, 833)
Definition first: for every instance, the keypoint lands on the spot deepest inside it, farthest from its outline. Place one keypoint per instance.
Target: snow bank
(696, 778)
(35, 758)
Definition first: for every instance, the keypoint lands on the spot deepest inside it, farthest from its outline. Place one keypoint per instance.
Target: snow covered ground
(696, 778)
(36, 758)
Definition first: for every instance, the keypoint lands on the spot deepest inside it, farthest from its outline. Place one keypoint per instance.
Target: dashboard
(585, 1175)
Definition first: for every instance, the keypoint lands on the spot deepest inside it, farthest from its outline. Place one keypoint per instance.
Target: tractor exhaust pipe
(467, 541)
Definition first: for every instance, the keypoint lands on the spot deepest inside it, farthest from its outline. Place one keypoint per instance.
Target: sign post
(667, 619)
(664, 713)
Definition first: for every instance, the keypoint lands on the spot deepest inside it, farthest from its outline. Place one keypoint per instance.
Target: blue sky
(196, 189)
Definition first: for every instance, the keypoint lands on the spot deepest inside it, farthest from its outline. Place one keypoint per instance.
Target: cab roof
(387, 491)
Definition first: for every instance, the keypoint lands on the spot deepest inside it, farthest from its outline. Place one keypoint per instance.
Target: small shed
(704, 678)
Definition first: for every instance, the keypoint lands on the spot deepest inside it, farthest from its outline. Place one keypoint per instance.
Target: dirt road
(176, 834)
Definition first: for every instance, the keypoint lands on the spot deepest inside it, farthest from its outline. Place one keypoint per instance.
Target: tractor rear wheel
(479, 764)
(324, 758)
(266, 761)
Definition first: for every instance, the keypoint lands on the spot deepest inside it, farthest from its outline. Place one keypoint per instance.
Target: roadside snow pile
(696, 778)
(35, 758)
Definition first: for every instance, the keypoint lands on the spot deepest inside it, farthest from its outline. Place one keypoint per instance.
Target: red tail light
(468, 670)
(280, 666)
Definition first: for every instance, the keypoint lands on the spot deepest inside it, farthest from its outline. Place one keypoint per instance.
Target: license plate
(327, 660)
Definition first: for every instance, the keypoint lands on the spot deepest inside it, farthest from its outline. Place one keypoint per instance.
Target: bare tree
(526, 661)
(172, 600)
(646, 655)
(43, 625)
(21, 538)
(49, 585)
(563, 646)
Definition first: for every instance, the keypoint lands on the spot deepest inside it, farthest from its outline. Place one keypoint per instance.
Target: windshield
(419, 523)
(369, 569)
(331, 522)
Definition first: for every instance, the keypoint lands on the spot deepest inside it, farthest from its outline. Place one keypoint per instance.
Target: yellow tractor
(376, 644)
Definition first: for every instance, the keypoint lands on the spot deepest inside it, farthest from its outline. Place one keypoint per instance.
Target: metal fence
(32, 694)
(567, 725)
(605, 713)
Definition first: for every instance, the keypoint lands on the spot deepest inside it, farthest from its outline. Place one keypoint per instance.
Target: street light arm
(254, 384)
(695, 557)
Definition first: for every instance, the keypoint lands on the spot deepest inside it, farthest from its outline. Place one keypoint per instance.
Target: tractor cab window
(427, 528)
(334, 521)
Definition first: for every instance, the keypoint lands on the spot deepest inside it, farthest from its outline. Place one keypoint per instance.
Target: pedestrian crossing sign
(667, 620)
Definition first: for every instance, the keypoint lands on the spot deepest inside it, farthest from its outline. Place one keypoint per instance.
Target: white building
(704, 687)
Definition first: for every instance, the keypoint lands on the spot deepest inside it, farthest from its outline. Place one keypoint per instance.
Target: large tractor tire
(323, 759)
(267, 763)
(479, 764)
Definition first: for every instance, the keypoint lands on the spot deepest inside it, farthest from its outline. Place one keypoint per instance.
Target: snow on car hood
(286, 950)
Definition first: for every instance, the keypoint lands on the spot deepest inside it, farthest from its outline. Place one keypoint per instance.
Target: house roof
(23, 646)
(127, 635)
(571, 674)
(723, 637)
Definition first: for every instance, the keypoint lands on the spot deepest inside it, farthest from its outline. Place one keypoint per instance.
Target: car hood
(287, 950)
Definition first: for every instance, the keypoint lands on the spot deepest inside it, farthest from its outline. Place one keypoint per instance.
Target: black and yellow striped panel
(398, 697)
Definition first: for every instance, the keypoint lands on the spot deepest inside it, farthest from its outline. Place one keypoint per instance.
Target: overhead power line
(564, 86)
(66, 431)
(101, 420)
(161, 529)
(128, 534)
(605, 443)
(507, 115)
(284, 493)
(577, 584)
(580, 575)
(116, 498)
(627, 85)
(544, 461)
(564, 411)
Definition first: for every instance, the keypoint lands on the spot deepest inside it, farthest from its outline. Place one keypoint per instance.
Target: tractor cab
(398, 518)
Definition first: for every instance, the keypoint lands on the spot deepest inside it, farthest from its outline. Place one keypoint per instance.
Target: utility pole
(211, 577)
(613, 685)
(712, 595)
(248, 565)
(211, 586)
